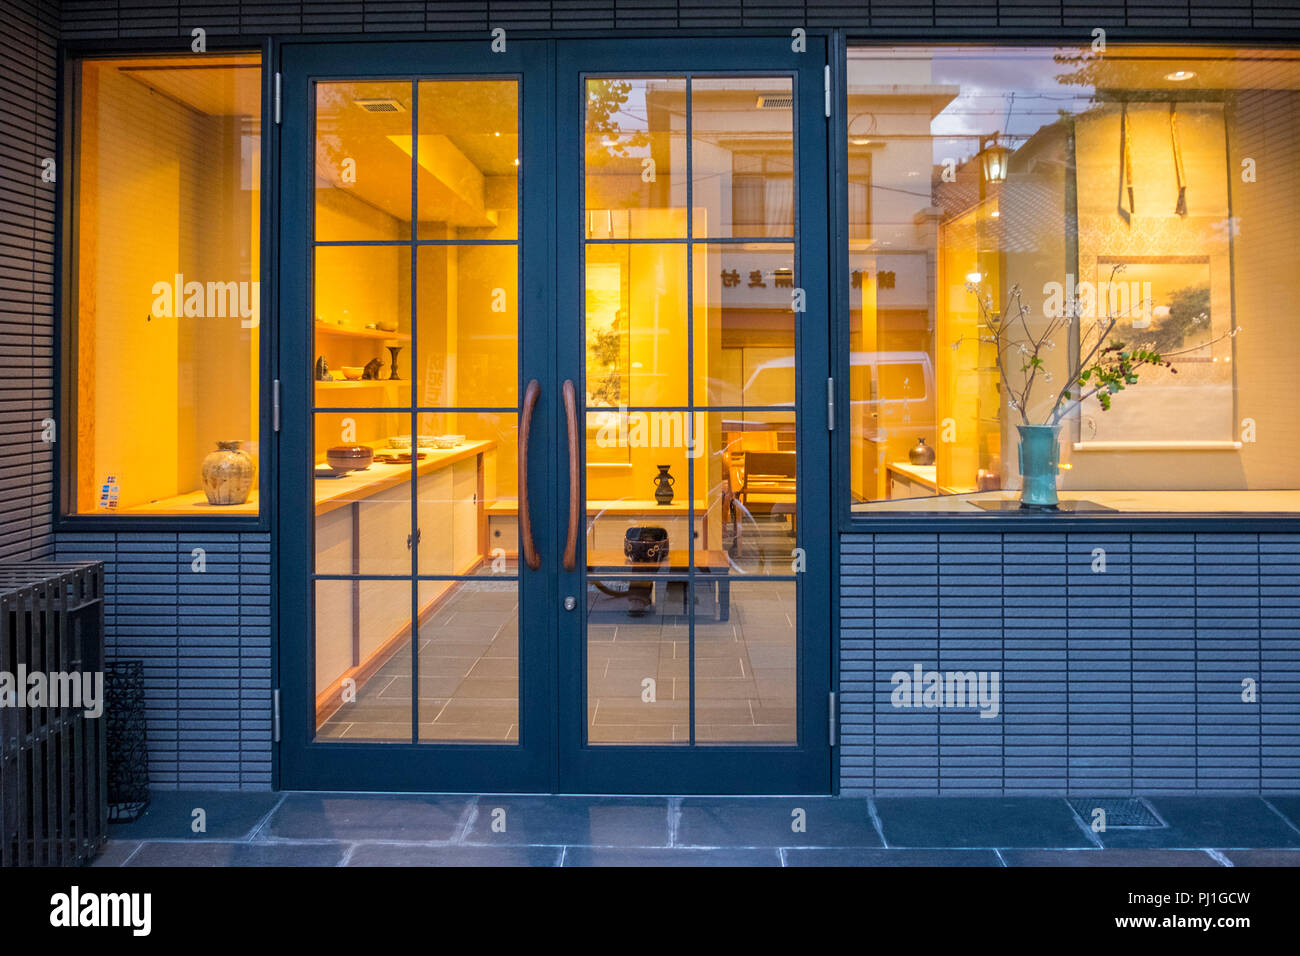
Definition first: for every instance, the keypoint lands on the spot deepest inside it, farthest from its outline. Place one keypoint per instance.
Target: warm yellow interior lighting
(165, 296)
(457, 184)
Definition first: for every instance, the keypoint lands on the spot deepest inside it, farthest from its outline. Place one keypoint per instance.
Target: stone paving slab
(357, 829)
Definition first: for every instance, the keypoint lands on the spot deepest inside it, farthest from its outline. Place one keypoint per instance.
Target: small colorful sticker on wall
(108, 493)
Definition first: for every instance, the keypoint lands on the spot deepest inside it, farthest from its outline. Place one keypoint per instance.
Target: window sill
(1156, 446)
(193, 504)
(1130, 502)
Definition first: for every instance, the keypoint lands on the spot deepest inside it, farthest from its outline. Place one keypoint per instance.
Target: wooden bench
(712, 569)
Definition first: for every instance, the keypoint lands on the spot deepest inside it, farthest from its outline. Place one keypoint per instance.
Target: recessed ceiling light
(1179, 75)
(995, 214)
(974, 276)
(496, 134)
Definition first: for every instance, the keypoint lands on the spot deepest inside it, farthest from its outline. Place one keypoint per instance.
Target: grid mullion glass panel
(744, 370)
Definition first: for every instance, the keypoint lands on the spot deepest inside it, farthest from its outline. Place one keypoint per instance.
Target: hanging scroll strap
(1126, 164)
(1181, 208)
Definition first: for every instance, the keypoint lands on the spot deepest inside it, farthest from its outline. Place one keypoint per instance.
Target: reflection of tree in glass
(331, 100)
(606, 137)
(1117, 77)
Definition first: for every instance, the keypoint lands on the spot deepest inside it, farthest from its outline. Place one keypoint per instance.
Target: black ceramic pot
(644, 545)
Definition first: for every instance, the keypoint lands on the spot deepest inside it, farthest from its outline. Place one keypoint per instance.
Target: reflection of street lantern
(994, 158)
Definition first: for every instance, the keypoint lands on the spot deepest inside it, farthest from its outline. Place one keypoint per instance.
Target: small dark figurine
(322, 369)
(371, 371)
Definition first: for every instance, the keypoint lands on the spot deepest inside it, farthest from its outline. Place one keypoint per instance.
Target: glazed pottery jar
(227, 474)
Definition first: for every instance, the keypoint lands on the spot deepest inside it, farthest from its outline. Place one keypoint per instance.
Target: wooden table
(712, 569)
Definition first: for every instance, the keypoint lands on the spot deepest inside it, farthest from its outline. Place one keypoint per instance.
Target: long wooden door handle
(531, 557)
(575, 486)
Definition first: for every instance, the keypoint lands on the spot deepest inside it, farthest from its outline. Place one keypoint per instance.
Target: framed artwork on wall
(1166, 303)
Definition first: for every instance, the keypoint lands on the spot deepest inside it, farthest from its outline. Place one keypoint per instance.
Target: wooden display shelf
(364, 383)
(344, 332)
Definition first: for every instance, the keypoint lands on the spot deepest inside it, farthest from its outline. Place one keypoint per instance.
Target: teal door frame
(709, 768)
(552, 754)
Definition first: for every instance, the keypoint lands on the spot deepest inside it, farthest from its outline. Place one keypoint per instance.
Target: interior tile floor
(351, 829)
(468, 675)
(638, 668)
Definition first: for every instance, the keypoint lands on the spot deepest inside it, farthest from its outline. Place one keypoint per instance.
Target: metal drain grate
(1121, 812)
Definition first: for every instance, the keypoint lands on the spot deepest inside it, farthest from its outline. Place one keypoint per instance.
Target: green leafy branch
(1101, 367)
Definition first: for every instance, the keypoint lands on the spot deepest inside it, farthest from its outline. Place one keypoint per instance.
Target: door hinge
(275, 405)
(277, 99)
(827, 79)
(275, 715)
(832, 720)
(830, 404)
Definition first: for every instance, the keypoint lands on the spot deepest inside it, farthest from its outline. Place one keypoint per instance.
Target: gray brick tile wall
(205, 639)
(1127, 680)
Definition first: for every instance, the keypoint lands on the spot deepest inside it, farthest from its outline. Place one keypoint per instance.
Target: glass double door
(553, 456)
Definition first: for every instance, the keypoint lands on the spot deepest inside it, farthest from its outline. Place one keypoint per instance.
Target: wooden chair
(765, 483)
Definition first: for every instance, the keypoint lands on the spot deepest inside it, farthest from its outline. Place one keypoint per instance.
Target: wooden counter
(332, 493)
(364, 528)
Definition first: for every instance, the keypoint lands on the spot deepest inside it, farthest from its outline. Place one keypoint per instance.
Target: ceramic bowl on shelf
(448, 441)
(386, 325)
(427, 441)
(353, 372)
(400, 441)
(350, 457)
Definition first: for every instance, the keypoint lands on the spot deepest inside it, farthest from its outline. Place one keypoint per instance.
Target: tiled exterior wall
(152, 18)
(1127, 680)
(205, 639)
(28, 63)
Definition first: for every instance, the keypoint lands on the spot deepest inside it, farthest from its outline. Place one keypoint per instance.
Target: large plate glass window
(1068, 279)
(162, 348)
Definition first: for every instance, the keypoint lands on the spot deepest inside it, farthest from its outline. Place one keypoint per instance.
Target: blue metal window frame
(71, 54)
(904, 522)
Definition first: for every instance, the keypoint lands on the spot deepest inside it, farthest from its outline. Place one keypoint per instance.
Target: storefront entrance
(554, 482)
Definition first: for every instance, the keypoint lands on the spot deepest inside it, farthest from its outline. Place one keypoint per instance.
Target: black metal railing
(53, 783)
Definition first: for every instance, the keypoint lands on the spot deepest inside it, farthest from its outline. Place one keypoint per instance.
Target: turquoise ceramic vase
(1040, 454)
